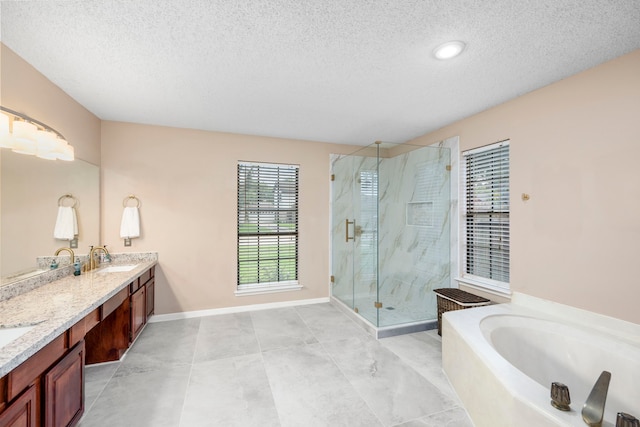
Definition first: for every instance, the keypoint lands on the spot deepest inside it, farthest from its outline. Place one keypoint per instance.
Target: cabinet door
(150, 297)
(138, 312)
(64, 390)
(22, 412)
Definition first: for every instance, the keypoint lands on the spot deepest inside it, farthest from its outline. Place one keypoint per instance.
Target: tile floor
(301, 366)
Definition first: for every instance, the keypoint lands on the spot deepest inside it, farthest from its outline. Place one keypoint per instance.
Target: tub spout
(593, 409)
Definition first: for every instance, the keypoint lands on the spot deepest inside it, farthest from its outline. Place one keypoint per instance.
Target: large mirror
(29, 197)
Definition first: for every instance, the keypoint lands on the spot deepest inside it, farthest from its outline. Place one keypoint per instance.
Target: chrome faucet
(92, 261)
(593, 409)
(73, 256)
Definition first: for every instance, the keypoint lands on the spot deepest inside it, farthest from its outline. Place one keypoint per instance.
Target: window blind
(267, 223)
(368, 224)
(486, 175)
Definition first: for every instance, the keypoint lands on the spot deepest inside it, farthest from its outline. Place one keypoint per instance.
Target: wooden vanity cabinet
(109, 339)
(47, 389)
(22, 412)
(138, 311)
(123, 317)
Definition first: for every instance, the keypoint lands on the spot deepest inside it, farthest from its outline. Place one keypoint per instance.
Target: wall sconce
(25, 135)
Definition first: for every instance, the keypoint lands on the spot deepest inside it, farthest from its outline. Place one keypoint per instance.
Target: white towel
(66, 224)
(130, 225)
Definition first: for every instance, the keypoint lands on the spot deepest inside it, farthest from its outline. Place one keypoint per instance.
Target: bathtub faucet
(593, 409)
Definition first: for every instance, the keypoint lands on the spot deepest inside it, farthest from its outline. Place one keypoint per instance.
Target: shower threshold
(385, 331)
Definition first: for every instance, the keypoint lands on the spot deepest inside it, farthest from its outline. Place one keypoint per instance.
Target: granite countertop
(56, 306)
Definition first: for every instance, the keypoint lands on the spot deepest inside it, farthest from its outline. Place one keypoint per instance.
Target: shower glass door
(354, 232)
(341, 228)
(391, 219)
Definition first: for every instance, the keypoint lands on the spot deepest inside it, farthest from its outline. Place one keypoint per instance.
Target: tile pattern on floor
(305, 366)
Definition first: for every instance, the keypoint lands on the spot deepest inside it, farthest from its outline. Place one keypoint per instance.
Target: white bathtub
(502, 359)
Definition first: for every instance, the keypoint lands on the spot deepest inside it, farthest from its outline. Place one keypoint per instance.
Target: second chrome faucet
(593, 409)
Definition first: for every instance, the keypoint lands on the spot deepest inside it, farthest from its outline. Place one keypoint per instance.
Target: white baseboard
(230, 310)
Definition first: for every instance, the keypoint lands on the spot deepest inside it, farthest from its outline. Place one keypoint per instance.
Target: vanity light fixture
(25, 135)
(449, 50)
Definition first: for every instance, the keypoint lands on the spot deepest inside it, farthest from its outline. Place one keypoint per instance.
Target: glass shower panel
(365, 242)
(414, 233)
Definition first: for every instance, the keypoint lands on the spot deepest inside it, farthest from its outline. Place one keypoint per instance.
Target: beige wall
(25, 90)
(574, 149)
(186, 181)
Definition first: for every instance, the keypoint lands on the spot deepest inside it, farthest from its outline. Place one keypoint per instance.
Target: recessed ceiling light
(449, 50)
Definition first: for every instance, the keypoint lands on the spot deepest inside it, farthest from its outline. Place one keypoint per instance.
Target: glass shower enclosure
(391, 231)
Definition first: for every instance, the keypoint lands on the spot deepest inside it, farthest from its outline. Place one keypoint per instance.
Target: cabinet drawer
(134, 286)
(78, 331)
(114, 302)
(146, 276)
(92, 319)
(23, 375)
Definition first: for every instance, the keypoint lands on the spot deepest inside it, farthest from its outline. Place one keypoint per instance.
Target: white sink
(9, 334)
(117, 268)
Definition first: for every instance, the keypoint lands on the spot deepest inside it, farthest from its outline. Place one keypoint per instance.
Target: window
(368, 226)
(486, 216)
(267, 227)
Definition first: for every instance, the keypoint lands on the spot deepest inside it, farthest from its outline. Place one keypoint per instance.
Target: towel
(130, 225)
(66, 224)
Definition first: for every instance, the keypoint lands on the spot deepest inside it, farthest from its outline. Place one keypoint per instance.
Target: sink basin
(9, 334)
(117, 268)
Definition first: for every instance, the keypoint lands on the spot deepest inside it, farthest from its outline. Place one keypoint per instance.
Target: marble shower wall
(414, 234)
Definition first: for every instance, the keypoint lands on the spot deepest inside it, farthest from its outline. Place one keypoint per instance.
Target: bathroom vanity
(66, 324)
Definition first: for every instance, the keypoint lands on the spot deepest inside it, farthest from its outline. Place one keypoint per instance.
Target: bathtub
(502, 359)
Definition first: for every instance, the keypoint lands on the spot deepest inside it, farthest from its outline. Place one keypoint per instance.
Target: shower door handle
(346, 230)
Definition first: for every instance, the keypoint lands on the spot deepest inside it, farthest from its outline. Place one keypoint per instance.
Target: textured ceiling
(342, 71)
